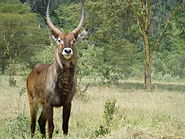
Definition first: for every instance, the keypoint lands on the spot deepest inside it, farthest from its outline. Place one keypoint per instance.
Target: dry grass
(140, 115)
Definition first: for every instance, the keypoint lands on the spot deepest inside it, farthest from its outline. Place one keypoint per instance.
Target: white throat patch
(58, 60)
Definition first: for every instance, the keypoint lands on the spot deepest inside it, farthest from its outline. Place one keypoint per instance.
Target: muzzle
(67, 53)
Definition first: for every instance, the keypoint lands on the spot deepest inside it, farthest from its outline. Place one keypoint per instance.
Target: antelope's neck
(65, 79)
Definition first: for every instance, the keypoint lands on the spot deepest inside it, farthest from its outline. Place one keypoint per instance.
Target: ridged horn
(82, 21)
(50, 24)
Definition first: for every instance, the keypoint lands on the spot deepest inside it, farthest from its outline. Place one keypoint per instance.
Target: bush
(109, 111)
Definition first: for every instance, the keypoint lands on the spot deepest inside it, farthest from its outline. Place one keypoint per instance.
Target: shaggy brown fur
(50, 86)
(53, 85)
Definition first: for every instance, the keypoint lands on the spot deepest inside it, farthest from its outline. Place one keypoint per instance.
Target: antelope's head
(66, 49)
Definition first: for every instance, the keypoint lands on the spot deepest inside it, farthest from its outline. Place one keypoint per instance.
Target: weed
(141, 114)
(102, 131)
(81, 94)
(22, 91)
(109, 111)
(18, 127)
(12, 81)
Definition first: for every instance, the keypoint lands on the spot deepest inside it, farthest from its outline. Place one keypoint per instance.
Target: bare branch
(21, 53)
(133, 9)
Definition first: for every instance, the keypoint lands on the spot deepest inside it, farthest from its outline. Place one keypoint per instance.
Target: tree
(108, 54)
(19, 35)
(39, 6)
(143, 12)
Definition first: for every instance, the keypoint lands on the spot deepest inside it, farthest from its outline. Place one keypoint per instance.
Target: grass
(140, 114)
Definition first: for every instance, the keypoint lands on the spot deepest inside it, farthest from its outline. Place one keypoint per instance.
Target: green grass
(140, 114)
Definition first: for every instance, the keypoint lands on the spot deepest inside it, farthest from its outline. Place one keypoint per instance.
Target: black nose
(68, 51)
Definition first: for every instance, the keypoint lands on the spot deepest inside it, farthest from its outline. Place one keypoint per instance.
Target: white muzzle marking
(67, 53)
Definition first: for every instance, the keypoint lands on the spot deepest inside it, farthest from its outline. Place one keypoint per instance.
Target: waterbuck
(53, 85)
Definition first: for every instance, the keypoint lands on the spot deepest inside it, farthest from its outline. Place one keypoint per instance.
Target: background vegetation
(111, 59)
(114, 48)
(122, 111)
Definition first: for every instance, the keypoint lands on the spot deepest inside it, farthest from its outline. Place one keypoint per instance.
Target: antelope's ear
(82, 35)
(54, 38)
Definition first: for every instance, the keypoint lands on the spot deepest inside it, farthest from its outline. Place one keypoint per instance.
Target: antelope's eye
(73, 41)
(59, 41)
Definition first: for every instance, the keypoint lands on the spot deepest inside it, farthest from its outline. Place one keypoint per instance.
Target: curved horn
(50, 24)
(82, 21)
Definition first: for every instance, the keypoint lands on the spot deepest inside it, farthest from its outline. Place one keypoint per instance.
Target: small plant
(102, 131)
(12, 72)
(12, 81)
(81, 94)
(22, 91)
(18, 127)
(109, 111)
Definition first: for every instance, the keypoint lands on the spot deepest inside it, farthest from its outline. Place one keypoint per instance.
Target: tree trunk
(148, 62)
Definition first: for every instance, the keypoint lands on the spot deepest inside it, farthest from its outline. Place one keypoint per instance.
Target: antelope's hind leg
(33, 114)
(49, 115)
(42, 122)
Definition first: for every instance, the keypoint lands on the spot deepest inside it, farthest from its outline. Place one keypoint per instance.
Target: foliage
(19, 35)
(11, 72)
(18, 127)
(113, 49)
(39, 6)
(102, 131)
(106, 52)
(141, 114)
(109, 112)
(16, 32)
(22, 91)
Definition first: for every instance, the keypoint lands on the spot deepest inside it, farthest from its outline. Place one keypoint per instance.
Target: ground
(139, 113)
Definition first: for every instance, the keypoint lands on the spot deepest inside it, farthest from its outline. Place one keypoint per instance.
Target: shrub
(109, 111)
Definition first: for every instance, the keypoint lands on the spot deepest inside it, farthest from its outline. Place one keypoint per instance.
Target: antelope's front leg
(66, 115)
(50, 120)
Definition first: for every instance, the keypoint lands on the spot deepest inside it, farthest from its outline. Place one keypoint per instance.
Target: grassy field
(138, 113)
